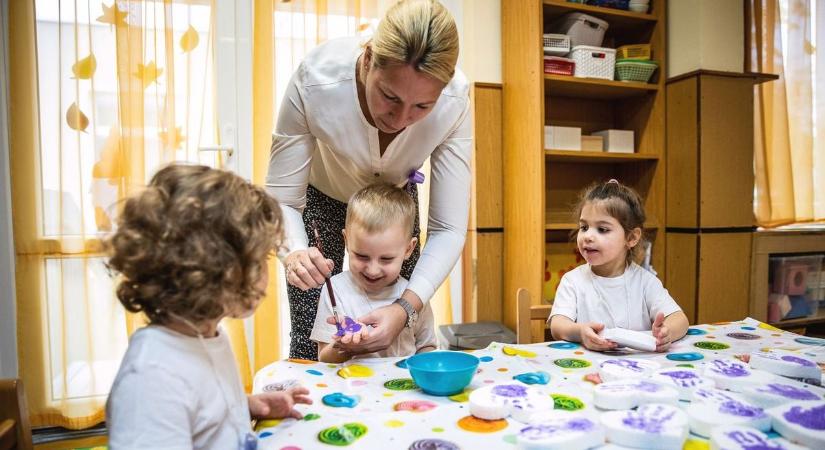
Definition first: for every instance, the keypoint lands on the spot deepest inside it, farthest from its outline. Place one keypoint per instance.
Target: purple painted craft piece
(542, 431)
(788, 391)
(798, 360)
(730, 369)
(350, 326)
(645, 386)
(648, 386)
(810, 418)
(647, 420)
(510, 390)
(683, 378)
(735, 408)
(751, 440)
(625, 363)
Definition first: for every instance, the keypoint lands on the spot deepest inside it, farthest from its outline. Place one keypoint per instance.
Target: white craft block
(734, 375)
(782, 391)
(737, 437)
(801, 422)
(561, 431)
(685, 380)
(504, 400)
(786, 364)
(714, 407)
(617, 141)
(651, 426)
(627, 394)
(626, 368)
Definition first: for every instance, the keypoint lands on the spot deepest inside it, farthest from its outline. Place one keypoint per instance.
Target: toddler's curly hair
(193, 243)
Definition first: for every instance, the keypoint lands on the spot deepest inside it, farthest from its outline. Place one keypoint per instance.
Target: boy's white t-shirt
(168, 395)
(631, 300)
(354, 302)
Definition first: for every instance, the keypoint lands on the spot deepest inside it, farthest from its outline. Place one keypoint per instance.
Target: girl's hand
(354, 332)
(307, 269)
(278, 405)
(661, 333)
(590, 337)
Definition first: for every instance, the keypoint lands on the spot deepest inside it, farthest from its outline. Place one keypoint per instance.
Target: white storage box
(583, 29)
(617, 141)
(556, 44)
(562, 138)
(594, 62)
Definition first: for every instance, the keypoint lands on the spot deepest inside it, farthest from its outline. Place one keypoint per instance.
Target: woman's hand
(387, 323)
(307, 269)
(354, 337)
(278, 405)
(661, 333)
(590, 337)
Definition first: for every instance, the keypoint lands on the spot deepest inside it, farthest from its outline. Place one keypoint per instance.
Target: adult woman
(354, 115)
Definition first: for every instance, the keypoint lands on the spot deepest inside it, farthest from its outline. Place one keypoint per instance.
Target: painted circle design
(392, 423)
(301, 361)
(355, 371)
(343, 435)
(685, 365)
(748, 328)
(696, 332)
(476, 425)
(312, 416)
(401, 384)
(533, 377)
(339, 400)
(486, 358)
(564, 345)
(566, 402)
(810, 341)
(572, 363)
(461, 397)
(689, 356)
(707, 345)
(744, 336)
(314, 372)
(433, 444)
(414, 406)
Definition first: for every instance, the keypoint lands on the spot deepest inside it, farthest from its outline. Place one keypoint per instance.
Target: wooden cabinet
(540, 186)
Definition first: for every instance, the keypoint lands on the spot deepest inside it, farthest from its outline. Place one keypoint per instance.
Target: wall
(480, 31)
(705, 34)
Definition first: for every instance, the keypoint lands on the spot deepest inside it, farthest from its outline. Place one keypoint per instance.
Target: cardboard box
(617, 141)
(562, 138)
(593, 143)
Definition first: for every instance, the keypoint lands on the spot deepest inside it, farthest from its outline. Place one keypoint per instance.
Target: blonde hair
(192, 244)
(417, 32)
(379, 206)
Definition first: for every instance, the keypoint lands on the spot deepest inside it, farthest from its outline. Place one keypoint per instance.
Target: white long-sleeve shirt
(323, 138)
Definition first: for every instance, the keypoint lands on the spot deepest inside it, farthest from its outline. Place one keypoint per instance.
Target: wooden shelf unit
(541, 186)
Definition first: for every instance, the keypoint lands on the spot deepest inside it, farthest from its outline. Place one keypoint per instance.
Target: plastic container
(635, 70)
(582, 29)
(633, 51)
(559, 66)
(556, 44)
(594, 62)
(442, 372)
(798, 278)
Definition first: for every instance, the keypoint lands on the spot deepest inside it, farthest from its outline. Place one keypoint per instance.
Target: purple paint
(546, 430)
(433, 444)
(652, 423)
(644, 386)
(751, 440)
(788, 391)
(625, 363)
(647, 386)
(798, 360)
(510, 390)
(810, 418)
(683, 378)
(730, 369)
(350, 326)
(735, 408)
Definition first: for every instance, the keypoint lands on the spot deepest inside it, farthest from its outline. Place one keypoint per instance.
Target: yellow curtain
(789, 144)
(101, 95)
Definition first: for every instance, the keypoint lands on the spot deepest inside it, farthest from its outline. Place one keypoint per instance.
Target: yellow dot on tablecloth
(332, 366)
(502, 369)
(355, 371)
(567, 370)
(388, 394)
(270, 373)
(461, 397)
(268, 423)
(394, 423)
(512, 351)
(321, 385)
(695, 444)
(438, 430)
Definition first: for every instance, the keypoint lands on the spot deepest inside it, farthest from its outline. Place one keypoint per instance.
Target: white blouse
(322, 138)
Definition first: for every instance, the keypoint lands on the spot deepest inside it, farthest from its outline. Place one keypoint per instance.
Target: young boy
(191, 249)
(379, 236)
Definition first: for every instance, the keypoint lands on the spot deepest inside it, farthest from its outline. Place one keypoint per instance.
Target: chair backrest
(526, 313)
(15, 430)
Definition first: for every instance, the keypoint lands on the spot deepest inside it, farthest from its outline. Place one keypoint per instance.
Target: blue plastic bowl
(442, 373)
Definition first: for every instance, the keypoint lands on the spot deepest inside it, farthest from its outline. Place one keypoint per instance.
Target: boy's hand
(354, 337)
(278, 405)
(590, 337)
(661, 333)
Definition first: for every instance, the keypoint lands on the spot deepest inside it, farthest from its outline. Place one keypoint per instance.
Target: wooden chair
(15, 430)
(526, 313)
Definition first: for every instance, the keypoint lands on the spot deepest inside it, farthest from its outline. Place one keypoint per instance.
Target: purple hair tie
(415, 177)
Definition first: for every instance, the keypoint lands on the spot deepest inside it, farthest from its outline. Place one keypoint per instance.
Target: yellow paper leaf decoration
(85, 68)
(76, 119)
(113, 15)
(172, 139)
(148, 74)
(189, 40)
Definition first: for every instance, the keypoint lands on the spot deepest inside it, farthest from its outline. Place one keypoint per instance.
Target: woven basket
(635, 70)
(634, 51)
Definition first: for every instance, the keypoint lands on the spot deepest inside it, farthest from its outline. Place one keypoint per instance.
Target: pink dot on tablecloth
(291, 447)
(359, 383)
(489, 381)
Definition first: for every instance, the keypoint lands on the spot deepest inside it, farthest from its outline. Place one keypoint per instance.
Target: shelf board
(567, 156)
(819, 317)
(595, 88)
(619, 19)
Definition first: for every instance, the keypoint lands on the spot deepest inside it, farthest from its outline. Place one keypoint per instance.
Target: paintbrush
(328, 280)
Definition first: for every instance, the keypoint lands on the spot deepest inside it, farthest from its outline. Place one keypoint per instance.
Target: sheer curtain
(783, 37)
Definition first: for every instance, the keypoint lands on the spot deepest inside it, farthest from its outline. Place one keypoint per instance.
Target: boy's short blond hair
(379, 206)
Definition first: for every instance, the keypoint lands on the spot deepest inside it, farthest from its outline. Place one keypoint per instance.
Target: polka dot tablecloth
(374, 404)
